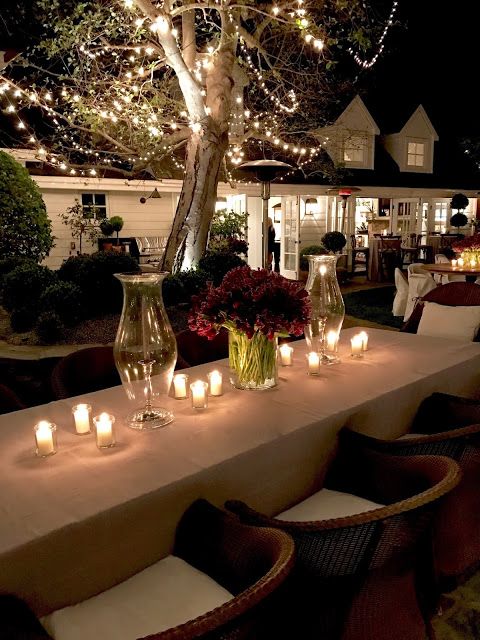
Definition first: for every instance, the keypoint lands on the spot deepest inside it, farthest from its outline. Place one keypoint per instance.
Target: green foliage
(180, 287)
(228, 224)
(459, 201)
(311, 250)
(23, 319)
(94, 275)
(49, 327)
(334, 241)
(106, 227)
(81, 221)
(65, 299)
(117, 224)
(217, 264)
(173, 290)
(23, 287)
(25, 229)
(458, 220)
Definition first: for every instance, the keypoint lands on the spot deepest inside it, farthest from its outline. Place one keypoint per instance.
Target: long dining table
(84, 519)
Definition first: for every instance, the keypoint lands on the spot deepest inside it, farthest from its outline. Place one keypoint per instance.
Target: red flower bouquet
(470, 243)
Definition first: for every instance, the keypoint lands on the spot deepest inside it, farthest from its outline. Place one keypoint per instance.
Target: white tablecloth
(82, 520)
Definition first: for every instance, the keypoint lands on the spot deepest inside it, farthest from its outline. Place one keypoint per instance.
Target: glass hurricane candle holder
(81, 416)
(45, 438)
(104, 430)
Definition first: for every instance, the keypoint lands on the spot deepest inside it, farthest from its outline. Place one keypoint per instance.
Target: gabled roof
(421, 114)
(358, 105)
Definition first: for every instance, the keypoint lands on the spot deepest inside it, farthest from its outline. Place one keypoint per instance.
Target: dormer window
(416, 154)
(354, 150)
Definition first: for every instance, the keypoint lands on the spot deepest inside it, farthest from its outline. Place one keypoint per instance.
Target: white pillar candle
(104, 430)
(364, 336)
(215, 383)
(180, 385)
(81, 415)
(199, 394)
(454, 263)
(286, 355)
(45, 438)
(332, 341)
(473, 263)
(357, 346)
(460, 262)
(313, 363)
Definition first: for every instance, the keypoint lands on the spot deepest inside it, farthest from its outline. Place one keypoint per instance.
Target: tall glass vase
(145, 349)
(253, 361)
(328, 308)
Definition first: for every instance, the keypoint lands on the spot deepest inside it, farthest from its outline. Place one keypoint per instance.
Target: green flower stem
(253, 360)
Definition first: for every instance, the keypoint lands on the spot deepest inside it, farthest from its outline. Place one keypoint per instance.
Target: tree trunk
(196, 205)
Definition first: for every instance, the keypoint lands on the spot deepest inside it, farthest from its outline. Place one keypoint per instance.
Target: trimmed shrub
(173, 290)
(23, 319)
(23, 286)
(311, 250)
(459, 220)
(193, 281)
(94, 274)
(65, 300)
(217, 264)
(25, 229)
(49, 327)
(334, 241)
(9, 264)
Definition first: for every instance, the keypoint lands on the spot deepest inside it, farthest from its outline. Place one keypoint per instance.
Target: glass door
(290, 240)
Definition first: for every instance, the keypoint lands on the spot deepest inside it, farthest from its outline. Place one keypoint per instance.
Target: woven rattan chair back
(355, 577)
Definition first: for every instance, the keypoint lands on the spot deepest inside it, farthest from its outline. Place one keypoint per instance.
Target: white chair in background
(401, 295)
(419, 284)
(416, 267)
(443, 279)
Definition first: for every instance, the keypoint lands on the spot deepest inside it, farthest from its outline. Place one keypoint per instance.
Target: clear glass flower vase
(145, 349)
(253, 361)
(328, 308)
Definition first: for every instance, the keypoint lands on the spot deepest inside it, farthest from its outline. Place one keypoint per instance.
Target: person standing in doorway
(271, 243)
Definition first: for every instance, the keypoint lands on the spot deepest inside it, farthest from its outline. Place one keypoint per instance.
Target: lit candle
(45, 438)
(460, 262)
(180, 382)
(104, 430)
(322, 270)
(199, 394)
(454, 263)
(357, 346)
(332, 341)
(215, 383)
(364, 336)
(286, 355)
(473, 263)
(81, 415)
(313, 363)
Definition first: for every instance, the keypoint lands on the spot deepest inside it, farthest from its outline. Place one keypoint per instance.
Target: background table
(82, 520)
(446, 269)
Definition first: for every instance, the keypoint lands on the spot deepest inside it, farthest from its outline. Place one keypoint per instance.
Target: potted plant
(117, 225)
(334, 241)
(311, 250)
(458, 220)
(106, 228)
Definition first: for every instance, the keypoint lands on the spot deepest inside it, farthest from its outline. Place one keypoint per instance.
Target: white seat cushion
(162, 596)
(327, 504)
(442, 321)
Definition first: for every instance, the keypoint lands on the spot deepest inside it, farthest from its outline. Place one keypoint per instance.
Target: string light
(367, 64)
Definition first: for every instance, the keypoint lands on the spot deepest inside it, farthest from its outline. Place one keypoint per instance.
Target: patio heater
(344, 193)
(265, 171)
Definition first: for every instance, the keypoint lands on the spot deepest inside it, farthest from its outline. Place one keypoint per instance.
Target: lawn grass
(374, 305)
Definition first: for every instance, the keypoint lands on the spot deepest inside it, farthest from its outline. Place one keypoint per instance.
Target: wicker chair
(9, 401)
(449, 426)
(453, 294)
(195, 349)
(355, 576)
(84, 371)
(250, 562)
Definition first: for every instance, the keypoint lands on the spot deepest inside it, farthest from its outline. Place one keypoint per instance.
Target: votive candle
(215, 381)
(313, 363)
(286, 355)
(104, 430)
(473, 263)
(45, 438)
(364, 336)
(180, 385)
(332, 341)
(454, 263)
(460, 262)
(81, 415)
(357, 346)
(199, 390)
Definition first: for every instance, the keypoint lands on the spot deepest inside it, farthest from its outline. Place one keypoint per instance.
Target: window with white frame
(354, 150)
(95, 203)
(440, 218)
(415, 154)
